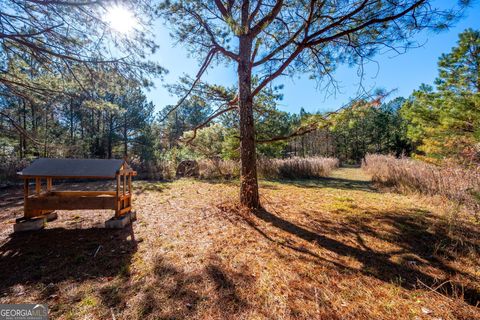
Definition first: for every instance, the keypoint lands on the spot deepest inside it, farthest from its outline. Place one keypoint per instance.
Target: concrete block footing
(51, 216)
(23, 224)
(121, 222)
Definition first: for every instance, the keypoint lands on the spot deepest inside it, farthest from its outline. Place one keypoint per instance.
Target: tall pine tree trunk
(20, 140)
(110, 136)
(24, 113)
(249, 185)
(45, 145)
(71, 123)
(125, 136)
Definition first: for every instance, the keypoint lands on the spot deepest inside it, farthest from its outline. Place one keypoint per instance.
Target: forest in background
(109, 116)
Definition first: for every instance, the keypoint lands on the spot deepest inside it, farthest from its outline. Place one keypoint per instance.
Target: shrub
(153, 170)
(450, 180)
(219, 169)
(9, 166)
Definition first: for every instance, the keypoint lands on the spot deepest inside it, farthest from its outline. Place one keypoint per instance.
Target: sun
(121, 19)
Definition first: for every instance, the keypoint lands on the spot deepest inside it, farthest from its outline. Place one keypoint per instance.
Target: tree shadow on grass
(172, 293)
(410, 237)
(142, 186)
(226, 287)
(11, 197)
(51, 256)
(327, 182)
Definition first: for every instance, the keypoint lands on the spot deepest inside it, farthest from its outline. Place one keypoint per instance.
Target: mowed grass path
(335, 248)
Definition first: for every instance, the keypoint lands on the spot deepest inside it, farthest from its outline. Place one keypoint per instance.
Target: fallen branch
(96, 251)
(435, 290)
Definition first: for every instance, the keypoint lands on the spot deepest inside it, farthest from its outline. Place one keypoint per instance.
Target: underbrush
(459, 184)
(209, 169)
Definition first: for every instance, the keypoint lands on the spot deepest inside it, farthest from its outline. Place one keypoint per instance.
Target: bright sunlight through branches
(121, 19)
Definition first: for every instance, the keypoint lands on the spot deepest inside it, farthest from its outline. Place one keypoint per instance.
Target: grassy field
(334, 248)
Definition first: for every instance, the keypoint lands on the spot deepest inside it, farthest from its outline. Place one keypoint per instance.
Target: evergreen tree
(446, 122)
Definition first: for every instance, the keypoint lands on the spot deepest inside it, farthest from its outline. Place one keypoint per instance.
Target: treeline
(444, 121)
(76, 127)
(356, 131)
(106, 118)
(347, 135)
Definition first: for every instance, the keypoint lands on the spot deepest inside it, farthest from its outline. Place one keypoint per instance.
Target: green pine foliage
(445, 121)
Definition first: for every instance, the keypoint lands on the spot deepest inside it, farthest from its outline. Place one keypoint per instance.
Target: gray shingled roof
(75, 168)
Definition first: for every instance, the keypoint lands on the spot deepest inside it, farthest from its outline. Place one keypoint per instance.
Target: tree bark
(71, 123)
(125, 136)
(20, 140)
(45, 146)
(24, 112)
(110, 136)
(249, 196)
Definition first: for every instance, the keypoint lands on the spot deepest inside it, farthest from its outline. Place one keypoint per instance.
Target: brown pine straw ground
(334, 248)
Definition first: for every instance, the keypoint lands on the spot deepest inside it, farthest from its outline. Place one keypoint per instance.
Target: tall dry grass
(452, 181)
(296, 168)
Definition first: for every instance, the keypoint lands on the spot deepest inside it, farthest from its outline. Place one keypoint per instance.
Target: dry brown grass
(293, 168)
(332, 248)
(296, 168)
(456, 183)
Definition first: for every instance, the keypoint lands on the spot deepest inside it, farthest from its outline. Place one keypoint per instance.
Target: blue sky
(401, 72)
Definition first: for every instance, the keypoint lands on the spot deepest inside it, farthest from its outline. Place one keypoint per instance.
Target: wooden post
(130, 189)
(117, 197)
(124, 184)
(25, 188)
(25, 197)
(38, 186)
(49, 184)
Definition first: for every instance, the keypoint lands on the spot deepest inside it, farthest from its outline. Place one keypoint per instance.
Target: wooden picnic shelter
(45, 199)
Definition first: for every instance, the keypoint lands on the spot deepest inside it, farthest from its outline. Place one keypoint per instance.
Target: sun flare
(121, 19)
